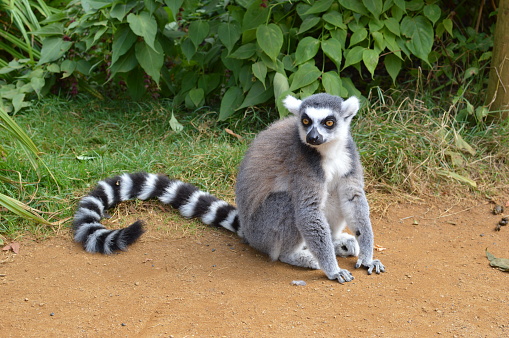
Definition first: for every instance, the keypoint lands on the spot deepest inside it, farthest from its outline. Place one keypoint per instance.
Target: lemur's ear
(350, 107)
(292, 104)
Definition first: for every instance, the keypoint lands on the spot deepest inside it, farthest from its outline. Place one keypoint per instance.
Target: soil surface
(206, 282)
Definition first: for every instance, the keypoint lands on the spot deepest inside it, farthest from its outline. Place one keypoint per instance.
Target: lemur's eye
(329, 123)
(305, 121)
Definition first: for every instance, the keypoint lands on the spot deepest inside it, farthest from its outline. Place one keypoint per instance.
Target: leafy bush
(236, 55)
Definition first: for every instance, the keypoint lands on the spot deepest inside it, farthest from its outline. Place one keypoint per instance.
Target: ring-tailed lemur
(300, 183)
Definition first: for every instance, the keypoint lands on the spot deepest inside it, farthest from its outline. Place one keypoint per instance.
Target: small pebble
(124, 324)
(298, 282)
(52, 314)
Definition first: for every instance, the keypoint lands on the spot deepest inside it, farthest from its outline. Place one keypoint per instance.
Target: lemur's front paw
(374, 264)
(343, 276)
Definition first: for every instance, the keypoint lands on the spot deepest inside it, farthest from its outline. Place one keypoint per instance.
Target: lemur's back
(275, 158)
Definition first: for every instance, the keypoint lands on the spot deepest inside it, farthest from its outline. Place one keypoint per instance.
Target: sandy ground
(207, 283)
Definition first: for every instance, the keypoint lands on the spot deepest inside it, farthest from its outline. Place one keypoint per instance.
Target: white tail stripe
(94, 200)
(187, 209)
(80, 233)
(108, 240)
(108, 190)
(84, 212)
(170, 192)
(92, 240)
(148, 187)
(126, 186)
(210, 215)
(227, 223)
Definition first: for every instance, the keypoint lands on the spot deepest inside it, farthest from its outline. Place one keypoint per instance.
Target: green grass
(407, 148)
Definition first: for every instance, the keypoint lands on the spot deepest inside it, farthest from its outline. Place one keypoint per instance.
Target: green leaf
(270, 39)
(308, 23)
(420, 34)
(457, 177)
(358, 36)
(332, 48)
(379, 41)
(244, 51)
(393, 26)
(393, 66)
(197, 95)
(462, 145)
(37, 84)
(280, 85)
(319, 7)
(257, 95)
(355, 6)
(306, 49)
(52, 29)
(120, 10)
(305, 75)
(353, 56)
(123, 40)
(432, 12)
(67, 67)
(198, 31)
(150, 60)
(260, 71)
(175, 124)
(125, 63)
(174, 6)
(231, 100)
(370, 58)
(335, 19)
(374, 6)
(229, 34)
(53, 48)
(255, 16)
(332, 83)
(143, 25)
(448, 25)
(188, 48)
(500, 263)
(401, 4)
(18, 102)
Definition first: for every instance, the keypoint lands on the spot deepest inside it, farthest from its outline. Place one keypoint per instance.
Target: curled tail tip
(97, 239)
(133, 232)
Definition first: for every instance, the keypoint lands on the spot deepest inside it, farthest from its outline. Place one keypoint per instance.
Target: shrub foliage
(234, 54)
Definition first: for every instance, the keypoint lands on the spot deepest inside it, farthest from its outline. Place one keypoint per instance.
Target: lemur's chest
(336, 162)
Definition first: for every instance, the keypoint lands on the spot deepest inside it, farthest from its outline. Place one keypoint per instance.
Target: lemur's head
(323, 117)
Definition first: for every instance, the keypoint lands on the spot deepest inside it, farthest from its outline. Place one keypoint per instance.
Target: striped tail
(188, 199)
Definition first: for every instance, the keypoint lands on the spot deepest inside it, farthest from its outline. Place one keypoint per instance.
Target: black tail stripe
(203, 204)
(90, 206)
(99, 193)
(222, 214)
(161, 184)
(85, 219)
(139, 180)
(183, 194)
(99, 244)
(236, 223)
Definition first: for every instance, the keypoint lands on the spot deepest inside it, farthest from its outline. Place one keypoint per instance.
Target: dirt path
(438, 281)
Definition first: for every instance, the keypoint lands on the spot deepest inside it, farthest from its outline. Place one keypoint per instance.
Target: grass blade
(21, 209)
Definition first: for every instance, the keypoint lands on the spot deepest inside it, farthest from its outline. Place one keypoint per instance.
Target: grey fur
(294, 198)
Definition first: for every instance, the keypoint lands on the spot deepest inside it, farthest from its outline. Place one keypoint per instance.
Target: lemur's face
(323, 118)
